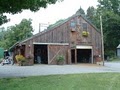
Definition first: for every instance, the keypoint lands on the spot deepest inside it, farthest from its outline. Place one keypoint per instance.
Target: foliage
(15, 33)
(85, 33)
(109, 5)
(20, 58)
(110, 12)
(60, 58)
(91, 12)
(12, 6)
(88, 81)
(3, 19)
(81, 11)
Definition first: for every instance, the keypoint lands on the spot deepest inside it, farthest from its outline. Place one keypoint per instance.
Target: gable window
(73, 24)
(85, 32)
(84, 26)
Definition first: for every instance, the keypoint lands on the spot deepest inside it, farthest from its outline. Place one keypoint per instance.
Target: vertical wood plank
(75, 56)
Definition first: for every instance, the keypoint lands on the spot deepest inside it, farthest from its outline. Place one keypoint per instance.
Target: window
(73, 25)
(84, 25)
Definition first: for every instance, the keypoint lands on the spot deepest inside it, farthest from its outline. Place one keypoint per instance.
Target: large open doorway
(40, 54)
(84, 55)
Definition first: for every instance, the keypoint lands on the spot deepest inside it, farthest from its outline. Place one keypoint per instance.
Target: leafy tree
(111, 29)
(91, 12)
(3, 19)
(80, 11)
(110, 5)
(110, 11)
(16, 33)
(13, 6)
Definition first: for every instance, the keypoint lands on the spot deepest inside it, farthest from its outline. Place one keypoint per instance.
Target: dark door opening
(40, 54)
(73, 55)
(84, 55)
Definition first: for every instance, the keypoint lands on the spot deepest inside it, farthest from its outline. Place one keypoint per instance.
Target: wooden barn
(75, 38)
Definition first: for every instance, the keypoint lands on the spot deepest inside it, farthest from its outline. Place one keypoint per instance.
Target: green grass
(92, 81)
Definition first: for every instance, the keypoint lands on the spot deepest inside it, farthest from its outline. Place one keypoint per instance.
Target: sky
(51, 14)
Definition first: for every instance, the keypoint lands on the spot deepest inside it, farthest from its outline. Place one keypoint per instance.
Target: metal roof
(118, 46)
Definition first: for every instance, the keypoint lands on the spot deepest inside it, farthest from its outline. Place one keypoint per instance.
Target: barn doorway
(84, 55)
(40, 54)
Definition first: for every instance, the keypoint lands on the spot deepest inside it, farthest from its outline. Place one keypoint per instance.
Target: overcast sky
(51, 14)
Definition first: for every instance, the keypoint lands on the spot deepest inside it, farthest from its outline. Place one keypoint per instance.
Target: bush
(20, 58)
(60, 58)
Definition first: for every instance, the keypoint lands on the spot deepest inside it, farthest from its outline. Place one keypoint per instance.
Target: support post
(75, 56)
(102, 40)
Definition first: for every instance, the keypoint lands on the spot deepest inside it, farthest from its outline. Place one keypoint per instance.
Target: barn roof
(118, 46)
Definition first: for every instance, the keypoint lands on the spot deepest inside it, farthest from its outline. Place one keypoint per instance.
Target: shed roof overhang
(118, 46)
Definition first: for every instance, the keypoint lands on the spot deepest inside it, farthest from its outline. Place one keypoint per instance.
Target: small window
(73, 24)
(84, 25)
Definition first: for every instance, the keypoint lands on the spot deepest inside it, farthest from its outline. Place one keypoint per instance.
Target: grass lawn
(92, 81)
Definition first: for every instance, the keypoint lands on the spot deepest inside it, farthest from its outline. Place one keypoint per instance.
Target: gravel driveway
(22, 71)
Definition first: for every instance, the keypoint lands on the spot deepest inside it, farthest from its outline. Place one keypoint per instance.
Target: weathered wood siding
(64, 34)
(93, 39)
(54, 51)
(59, 34)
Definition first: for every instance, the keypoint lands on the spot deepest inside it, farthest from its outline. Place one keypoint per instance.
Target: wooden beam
(75, 56)
(48, 54)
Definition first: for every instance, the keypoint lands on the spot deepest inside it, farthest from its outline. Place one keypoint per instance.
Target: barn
(75, 38)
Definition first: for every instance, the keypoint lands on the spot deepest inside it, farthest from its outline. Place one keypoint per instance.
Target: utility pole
(102, 39)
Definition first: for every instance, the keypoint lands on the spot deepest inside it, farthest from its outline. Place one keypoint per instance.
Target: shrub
(60, 58)
(20, 58)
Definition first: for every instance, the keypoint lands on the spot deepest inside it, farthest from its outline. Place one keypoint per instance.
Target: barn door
(54, 51)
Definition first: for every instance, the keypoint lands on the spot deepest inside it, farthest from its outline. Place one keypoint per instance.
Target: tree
(13, 6)
(16, 33)
(91, 12)
(80, 11)
(3, 19)
(110, 11)
(110, 5)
